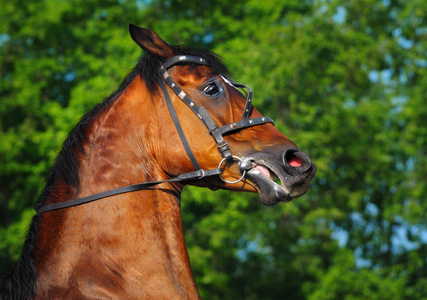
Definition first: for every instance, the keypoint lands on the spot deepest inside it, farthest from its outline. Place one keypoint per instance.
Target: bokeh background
(345, 80)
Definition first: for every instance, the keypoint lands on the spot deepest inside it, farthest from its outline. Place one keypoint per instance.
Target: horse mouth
(273, 183)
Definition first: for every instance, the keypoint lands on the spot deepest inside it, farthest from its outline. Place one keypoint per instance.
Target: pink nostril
(295, 161)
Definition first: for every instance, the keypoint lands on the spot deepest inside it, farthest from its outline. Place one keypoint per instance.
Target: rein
(216, 132)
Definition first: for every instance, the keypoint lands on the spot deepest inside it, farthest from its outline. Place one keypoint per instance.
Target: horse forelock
(149, 65)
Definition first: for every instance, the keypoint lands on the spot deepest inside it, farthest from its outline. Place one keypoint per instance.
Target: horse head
(258, 151)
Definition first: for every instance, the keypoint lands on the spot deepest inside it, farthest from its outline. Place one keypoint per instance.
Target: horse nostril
(296, 162)
(292, 158)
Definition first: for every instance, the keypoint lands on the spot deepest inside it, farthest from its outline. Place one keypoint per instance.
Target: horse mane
(20, 283)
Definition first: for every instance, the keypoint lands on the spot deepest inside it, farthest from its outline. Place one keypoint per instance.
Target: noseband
(214, 130)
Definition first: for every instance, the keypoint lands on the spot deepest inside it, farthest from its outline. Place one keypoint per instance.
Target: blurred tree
(345, 81)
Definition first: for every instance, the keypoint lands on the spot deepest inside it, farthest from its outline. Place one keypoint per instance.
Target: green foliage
(345, 80)
(344, 281)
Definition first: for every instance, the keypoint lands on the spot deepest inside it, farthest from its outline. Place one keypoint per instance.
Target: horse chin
(263, 173)
(270, 193)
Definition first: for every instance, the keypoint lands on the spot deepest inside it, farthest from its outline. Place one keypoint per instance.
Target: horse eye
(212, 90)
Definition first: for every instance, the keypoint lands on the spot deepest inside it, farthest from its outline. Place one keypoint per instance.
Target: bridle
(216, 132)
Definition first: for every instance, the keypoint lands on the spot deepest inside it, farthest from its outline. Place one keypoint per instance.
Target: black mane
(20, 283)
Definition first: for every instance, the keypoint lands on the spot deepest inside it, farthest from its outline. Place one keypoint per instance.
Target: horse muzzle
(279, 178)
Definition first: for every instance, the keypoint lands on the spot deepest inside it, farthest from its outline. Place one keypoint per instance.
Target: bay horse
(176, 119)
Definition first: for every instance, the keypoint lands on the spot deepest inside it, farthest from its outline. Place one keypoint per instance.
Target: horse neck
(124, 246)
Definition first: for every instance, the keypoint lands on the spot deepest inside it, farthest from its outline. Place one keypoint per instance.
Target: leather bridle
(216, 132)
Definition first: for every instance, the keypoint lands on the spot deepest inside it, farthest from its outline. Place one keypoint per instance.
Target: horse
(108, 222)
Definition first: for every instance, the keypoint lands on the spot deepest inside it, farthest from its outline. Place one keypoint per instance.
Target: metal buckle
(228, 181)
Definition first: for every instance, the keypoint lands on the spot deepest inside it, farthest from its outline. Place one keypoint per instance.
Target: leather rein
(216, 132)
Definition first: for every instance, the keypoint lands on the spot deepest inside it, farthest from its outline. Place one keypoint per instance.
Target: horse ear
(150, 41)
